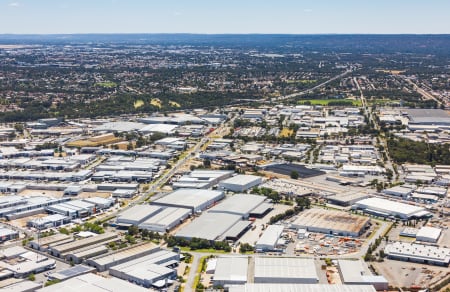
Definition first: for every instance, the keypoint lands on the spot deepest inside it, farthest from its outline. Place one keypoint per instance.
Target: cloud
(14, 4)
(307, 10)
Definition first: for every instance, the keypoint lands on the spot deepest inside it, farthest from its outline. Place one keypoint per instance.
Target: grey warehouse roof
(240, 204)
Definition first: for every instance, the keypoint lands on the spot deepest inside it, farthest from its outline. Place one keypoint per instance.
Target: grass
(106, 84)
(174, 104)
(138, 103)
(89, 143)
(286, 132)
(205, 250)
(156, 102)
(325, 102)
(199, 271)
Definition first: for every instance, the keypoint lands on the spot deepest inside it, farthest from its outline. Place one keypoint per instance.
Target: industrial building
(166, 219)
(20, 262)
(331, 222)
(148, 270)
(136, 215)
(62, 249)
(346, 198)
(202, 179)
(214, 226)
(284, 270)
(388, 208)
(194, 199)
(241, 182)
(230, 271)
(103, 263)
(23, 286)
(269, 239)
(43, 243)
(93, 282)
(353, 272)
(72, 209)
(240, 204)
(418, 253)
(254, 287)
(71, 272)
(48, 221)
(428, 234)
(8, 234)
(77, 256)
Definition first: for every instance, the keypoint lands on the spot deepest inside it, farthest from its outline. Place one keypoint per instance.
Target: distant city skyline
(231, 16)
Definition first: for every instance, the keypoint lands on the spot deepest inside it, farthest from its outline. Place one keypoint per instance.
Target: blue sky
(226, 16)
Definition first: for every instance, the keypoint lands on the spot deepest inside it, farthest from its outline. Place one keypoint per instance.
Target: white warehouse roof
(285, 270)
(195, 199)
(253, 287)
(391, 207)
(240, 204)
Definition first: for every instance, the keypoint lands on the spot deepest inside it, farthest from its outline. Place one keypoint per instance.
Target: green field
(107, 84)
(325, 102)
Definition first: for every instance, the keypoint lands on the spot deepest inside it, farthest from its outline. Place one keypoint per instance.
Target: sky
(225, 16)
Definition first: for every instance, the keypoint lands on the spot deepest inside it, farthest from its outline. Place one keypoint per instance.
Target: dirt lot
(54, 194)
(22, 222)
(405, 274)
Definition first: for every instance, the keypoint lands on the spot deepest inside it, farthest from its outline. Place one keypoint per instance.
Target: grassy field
(156, 102)
(107, 84)
(90, 143)
(138, 103)
(325, 102)
(286, 132)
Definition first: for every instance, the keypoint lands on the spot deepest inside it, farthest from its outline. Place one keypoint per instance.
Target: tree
(133, 230)
(294, 174)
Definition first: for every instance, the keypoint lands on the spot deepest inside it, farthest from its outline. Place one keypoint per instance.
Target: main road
(346, 72)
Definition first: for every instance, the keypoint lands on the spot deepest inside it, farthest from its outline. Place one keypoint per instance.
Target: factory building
(388, 208)
(79, 255)
(137, 214)
(355, 273)
(202, 179)
(48, 221)
(194, 199)
(269, 239)
(284, 270)
(241, 182)
(166, 219)
(148, 270)
(43, 243)
(8, 234)
(418, 253)
(62, 249)
(239, 204)
(23, 286)
(230, 271)
(71, 272)
(331, 222)
(428, 234)
(347, 198)
(73, 209)
(254, 287)
(103, 263)
(93, 282)
(20, 262)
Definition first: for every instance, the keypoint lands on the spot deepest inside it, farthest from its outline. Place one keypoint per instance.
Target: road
(348, 71)
(424, 93)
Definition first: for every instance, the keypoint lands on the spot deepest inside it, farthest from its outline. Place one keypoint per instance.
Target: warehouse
(285, 270)
(71, 272)
(147, 270)
(92, 282)
(239, 204)
(230, 271)
(288, 168)
(347, 198)
(240, 182)
(137, 214)
(388, 208)
(253, 287)
(194, 199)
(59, 250)
(202, 179)
(331, 222)
(103, 263)
(23, 286)
(72, 209)
(100, 203)
(428, 234)
(436, 117)
(48, 221)
(210, 226)
(269, 239)
(79, 255)
(23, 263)
(8, 234)
(354, 273)
(399, 191)
(43, 243)
(165, 220)
(418, 253)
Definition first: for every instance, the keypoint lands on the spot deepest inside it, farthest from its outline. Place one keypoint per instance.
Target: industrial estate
(336, 179)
